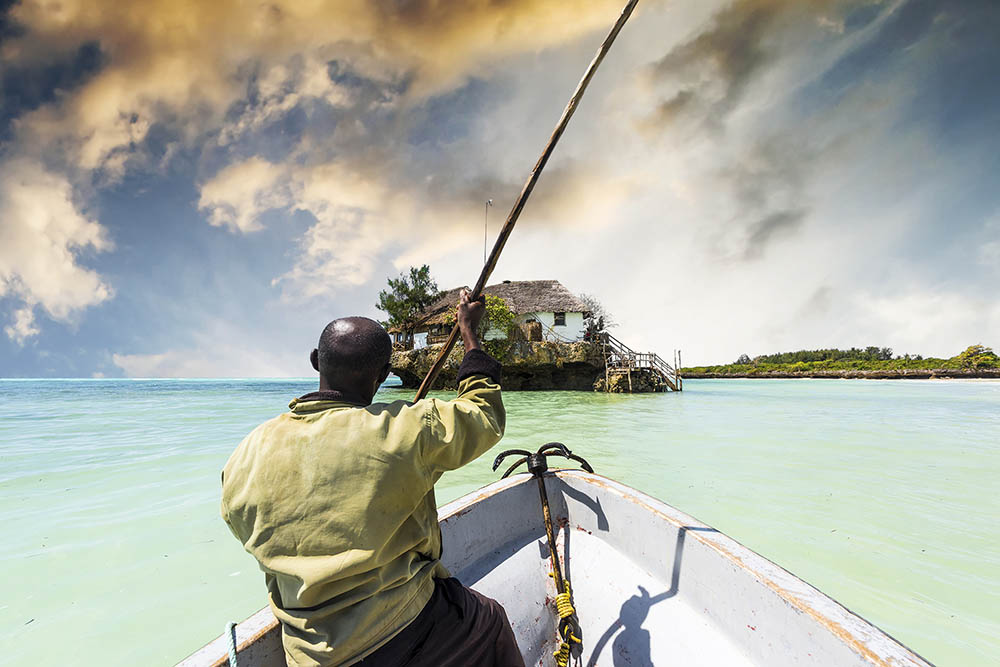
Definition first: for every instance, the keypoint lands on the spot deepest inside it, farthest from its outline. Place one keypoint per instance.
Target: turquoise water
(882, 494)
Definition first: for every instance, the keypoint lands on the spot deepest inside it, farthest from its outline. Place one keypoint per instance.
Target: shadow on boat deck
(631, 647)
(594, 503)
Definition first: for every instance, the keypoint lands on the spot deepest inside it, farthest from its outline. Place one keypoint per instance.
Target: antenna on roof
(486, 225)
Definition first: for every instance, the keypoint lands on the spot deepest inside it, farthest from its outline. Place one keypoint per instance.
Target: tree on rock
(978, 356)
(596, 320)
(407, 296)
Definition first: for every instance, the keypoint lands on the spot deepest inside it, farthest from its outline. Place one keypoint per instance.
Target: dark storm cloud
(702, 80)
(819, 302)
(763, 231)
(767, 188)
(732, 50)
(773, 167)
(8, 27)
(24, 87)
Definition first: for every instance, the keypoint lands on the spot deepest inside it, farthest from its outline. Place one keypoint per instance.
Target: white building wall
(573, 330)
(493, 334)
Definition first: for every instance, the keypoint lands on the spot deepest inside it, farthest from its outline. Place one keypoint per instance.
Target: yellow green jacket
(336, 503)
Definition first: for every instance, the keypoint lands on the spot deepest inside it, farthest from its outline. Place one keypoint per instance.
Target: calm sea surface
(884, 495)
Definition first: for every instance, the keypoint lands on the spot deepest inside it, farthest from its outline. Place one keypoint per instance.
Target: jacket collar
(329, 395)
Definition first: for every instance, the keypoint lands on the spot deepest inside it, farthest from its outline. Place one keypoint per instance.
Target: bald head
(353, 354)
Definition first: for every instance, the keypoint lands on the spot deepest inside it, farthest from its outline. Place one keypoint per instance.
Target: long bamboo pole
(515, 212)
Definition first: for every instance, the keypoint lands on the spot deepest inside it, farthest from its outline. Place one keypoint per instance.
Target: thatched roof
(521, 296)
(537, 296)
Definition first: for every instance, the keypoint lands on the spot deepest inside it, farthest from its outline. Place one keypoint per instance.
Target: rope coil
(564, 607)
(562, 655)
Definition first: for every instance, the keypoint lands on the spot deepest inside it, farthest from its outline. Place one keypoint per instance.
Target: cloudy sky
(196, 188)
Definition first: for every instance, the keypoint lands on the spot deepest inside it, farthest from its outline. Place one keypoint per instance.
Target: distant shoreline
(887, 374)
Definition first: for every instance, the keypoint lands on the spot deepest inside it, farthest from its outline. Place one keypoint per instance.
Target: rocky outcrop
(527, 366)
(900, 374)
(643, 381)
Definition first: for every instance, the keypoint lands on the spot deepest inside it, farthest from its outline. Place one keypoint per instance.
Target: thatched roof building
(559, 311)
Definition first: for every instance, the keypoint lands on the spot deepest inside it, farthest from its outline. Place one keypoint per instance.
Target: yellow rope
(562, 655)
(564, 607)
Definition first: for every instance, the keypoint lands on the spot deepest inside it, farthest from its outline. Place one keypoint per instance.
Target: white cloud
(236, 197)
(281, 89)
(42, 233)
(209, 356)
(350, 213)
(186, 63)
(218, 343)
(23, 327)
(199, 363)
(931, 322)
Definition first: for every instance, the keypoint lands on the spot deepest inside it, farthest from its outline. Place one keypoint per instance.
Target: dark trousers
(457, 628)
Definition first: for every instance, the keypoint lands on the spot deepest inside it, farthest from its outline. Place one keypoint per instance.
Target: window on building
(560, 319)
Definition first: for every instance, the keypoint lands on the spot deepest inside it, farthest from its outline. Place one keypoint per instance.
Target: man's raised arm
(463, 429)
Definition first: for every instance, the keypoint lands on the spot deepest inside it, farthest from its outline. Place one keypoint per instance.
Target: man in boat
(335, 500)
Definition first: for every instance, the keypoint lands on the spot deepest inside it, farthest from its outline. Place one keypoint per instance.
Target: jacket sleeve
(459, 431)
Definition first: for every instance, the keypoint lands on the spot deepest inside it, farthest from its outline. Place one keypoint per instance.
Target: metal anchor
(536, 461)
(569, 626)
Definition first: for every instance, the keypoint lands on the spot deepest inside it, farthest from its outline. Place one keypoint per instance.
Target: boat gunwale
(256, 633)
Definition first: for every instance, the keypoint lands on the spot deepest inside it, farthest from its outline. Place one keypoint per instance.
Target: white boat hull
(651, 585)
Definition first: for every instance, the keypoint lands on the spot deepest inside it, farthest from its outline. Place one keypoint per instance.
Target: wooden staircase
(620, 359)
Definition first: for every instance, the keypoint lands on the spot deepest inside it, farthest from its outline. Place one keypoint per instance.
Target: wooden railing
(618, 356)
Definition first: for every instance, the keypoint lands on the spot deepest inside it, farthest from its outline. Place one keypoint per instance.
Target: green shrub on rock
(499, 321)
(978, 356)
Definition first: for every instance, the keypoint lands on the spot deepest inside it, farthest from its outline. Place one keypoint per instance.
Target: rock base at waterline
(886, 374)
(527, 366)
(643, 381)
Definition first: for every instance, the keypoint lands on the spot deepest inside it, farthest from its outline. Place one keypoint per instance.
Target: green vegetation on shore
(974, 358)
